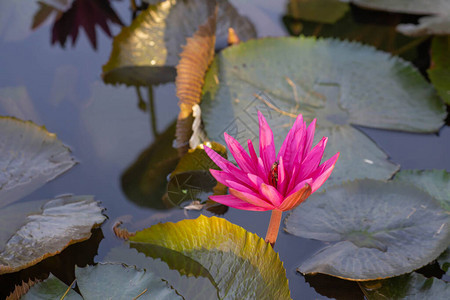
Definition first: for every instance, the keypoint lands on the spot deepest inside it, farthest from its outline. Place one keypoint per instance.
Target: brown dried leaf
(195, 59)
(122, 233)
(21, 289)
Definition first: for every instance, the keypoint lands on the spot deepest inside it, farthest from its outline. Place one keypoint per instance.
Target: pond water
(106, 131)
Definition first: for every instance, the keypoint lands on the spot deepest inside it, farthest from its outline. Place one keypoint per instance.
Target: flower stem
(274, 226)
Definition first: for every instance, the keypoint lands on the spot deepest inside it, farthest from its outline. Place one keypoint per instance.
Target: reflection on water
(110, 136)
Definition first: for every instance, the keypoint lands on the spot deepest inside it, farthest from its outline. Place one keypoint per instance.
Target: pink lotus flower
(273, 182)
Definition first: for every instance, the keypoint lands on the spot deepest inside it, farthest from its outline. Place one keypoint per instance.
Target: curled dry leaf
(21, 289)
(195, 59)
(122, 233)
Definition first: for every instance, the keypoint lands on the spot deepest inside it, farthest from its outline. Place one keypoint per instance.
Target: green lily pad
(434, 182)
(376, 229)
(61, 222)
(106, 281)
(439, 71)
(410, 286)
(30, 157)
(437, 23)
(324, 11)
(340, 83)
(146, 52)
(240, 263)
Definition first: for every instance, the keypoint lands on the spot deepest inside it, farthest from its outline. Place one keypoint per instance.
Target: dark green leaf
(439, 70)
(324, 11)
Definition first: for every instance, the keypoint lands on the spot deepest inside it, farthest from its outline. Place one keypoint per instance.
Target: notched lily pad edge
(7, 270)
(324, 248)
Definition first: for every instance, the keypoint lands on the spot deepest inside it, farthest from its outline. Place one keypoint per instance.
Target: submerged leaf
(194, 62)
(324, 11)
(376, 229)
(146, 52)
(106, 281)
(410, 286)
(240, 263)
(145, 181)
(63, 221)
(439, 70)
(191, 179)
(30, 156)
(382, 36)
(339, 83)
(437, 23)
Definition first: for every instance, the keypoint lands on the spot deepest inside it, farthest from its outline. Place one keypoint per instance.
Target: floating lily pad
(106, 281)
(410, 286)
(241, 264)
(324, 11)
(340, 83)
(434, 182)
(438, 23)
(63, 221)
(376, 229)
(188, 279)
(439, 70)
(30, 157)
(147, 51)
(51, 288)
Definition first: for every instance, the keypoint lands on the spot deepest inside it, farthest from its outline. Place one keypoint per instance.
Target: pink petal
(251, 149)
(271, 194)
(309, 137)
(297, 147)
(219, 160)
(312, 160)
(239, 154)
(286, 149)
(225, 177)
(299, 186)
(296, 198)
(326, 168)
(283, 180)
(231, 201)
(226, 166)
(252, 199)
(266, 144)
(262, 173)
(256, 180)
(239, 187)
